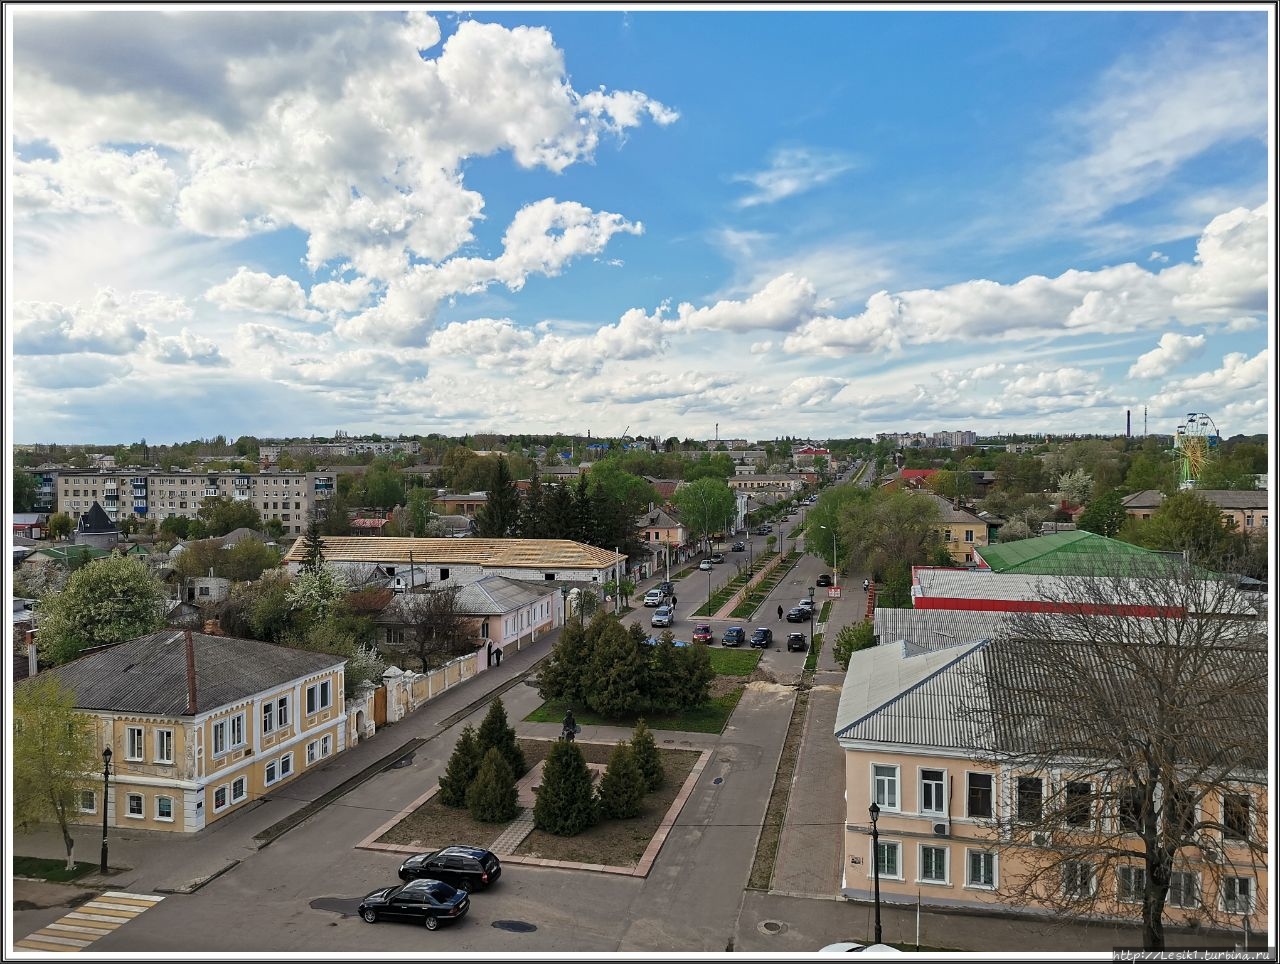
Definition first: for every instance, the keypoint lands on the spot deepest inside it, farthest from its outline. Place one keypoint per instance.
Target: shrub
(495, 732)
(566, 802)
(622, 787)
(645, 751)
(461, 769)
(492, 797)
(853, 639)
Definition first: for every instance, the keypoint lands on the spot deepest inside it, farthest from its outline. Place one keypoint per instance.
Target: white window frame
(241, 784)
(1134, 879)
(946, 865)
(268, 717)
(1017, 798)
(1249, 829)
(319, 696)
(135, 743)
(1071, 894)
(286, 765)
(159, 815)
(271, 772)
(968, 776)
(1093, 805)
(142, 806)
(1186, 901)
(1232, 906)
(893, 783)
(92, 799)
(896, 845)
(313, 752)
(988, 855)
(237, 732)
(164, 745)
(219, 742)
(326, 745)
(940, 809)
(226, 798)
(282, 712)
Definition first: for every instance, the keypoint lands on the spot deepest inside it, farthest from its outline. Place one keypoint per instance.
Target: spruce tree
(696, 674)
(566, 802)
(495, 732)
(615, 674)
(461, 769)
(647, 757)
(492, 796)
(560, 678)
(663, 682)
(622, 787)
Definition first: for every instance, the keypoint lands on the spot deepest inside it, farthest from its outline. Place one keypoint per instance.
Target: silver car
(662, 616)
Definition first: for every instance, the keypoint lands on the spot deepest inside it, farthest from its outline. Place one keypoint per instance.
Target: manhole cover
(771, 928)
(516, 926)
(718, 780)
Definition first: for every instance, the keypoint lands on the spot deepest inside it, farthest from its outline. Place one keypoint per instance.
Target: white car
(654, 597)
(705, 565)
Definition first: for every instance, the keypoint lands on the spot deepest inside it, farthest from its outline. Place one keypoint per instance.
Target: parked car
(677, 643)
(806, 603)
(762, 637)
(799, 614)
(797, 641)
(705, 565)
(739, 547)
(655, 597)
(662, 616)
(465, 867)
(702, 633)
(734, 636)
(667, 588)
(824, 580)
(764, 529)
(717, 558)
(424, 901)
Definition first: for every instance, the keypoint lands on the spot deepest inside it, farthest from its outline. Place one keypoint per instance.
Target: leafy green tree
(1187, 522)
(887, 527)
(24, 490)
(500, 514)
(273, 528)
(616, 669)
(1076, 487)
(853, 639)
(1105, 515)
(107, 601)
(347, 636)
(54, 756)
(566, 803)
(645, 750)
(175, 527)
(317, 593)
(1152, 471)
(622, 788)
(419, 512)
(222, 514)
(463, 765)
(60, 526)
(492, 796)
(497, 734)
(337, 514)
(383, 486)
(704, 506)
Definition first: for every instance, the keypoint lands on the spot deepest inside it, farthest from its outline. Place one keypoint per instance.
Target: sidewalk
(159, 863)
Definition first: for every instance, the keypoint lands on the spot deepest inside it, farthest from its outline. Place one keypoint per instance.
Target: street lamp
(106, 786)
(874, 810)
(835, 556)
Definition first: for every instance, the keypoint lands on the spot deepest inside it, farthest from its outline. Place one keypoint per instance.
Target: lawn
(56, 871)
(734, 662)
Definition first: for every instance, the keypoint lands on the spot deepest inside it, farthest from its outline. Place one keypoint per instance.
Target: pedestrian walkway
(91, 920)
(514, 835)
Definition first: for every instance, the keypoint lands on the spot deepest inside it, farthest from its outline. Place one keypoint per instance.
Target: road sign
(833, 592)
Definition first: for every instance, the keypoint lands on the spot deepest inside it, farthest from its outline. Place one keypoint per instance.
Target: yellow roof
(489, 553)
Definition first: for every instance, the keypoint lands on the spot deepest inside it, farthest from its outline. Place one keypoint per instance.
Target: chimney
(191, 675)
(32, 660)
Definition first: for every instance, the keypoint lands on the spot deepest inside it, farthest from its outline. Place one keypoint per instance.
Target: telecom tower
(1197, 440)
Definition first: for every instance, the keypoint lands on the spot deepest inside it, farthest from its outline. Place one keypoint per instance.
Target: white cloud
(1172, 351)
(342, 296)
(262, 293)
(107, 325)
(783, 303)
(1240, 377)
(188, 349)
(792, 171)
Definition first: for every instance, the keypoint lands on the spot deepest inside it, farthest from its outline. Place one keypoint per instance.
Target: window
(886, 786)
(979, 796)
(968, 535)
(286, 765)
(238, 789)
(1184, 890)
(1235, 816)
(220, 799)
(164, 746)
(1030, 799)
(164, 808)
(268, 716)
(133, 743)
(271, 772)
(88, 802)
(888, 858)
(326, 745)
(1130, 809)
(1179, 812)
(444, 574)
(981, 871)
(311, 753)
(220, 737)
(133, 805)
(1077, 879)
(1237, 895)
(1131, 882)
(933, 864)
(933, 797)
(1079, 806)
(237, 730)
(319, 695)
(282, 712)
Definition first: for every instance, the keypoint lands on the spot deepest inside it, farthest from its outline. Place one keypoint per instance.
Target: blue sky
(755, 223)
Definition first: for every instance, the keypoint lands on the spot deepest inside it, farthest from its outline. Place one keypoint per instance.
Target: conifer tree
(647, 757)
(492, 796)
(461, 769)
(566, 802)
(615, 674)
(495, 732)
(696, 674)
(622, 787)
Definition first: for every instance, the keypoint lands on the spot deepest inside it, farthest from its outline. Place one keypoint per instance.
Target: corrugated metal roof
(941, 627)
(1222, 498)
(496, 595)
(149, 674)
(1076, 552)
(487, 553)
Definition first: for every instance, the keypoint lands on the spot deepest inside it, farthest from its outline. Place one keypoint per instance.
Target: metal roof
(148, 674)
(1222, 498)
(485, 553)
(1077, 552)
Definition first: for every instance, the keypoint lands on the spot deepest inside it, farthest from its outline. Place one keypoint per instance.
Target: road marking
(78, 929)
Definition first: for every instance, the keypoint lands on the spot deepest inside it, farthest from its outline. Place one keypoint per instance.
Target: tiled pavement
(78, 929)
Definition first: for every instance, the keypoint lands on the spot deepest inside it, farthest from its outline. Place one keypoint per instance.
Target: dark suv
(467, 868)
(797, 641)
(762, 637)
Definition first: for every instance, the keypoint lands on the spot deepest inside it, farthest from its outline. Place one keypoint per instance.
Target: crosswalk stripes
(91, 920)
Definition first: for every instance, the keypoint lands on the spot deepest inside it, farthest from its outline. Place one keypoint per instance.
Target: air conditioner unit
(942, 830)
(1042, 839)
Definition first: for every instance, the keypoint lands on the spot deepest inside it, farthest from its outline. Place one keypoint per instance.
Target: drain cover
(718, 780)
(771, 928)
(515, 926)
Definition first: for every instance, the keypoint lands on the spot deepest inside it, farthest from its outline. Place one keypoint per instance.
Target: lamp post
(874, 810)
(106, 786)
(835, 556)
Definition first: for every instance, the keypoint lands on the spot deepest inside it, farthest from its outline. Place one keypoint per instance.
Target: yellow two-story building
(199, 725)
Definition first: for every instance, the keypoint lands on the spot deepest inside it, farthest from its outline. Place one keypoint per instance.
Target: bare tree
(435, 629)
(1131, 721)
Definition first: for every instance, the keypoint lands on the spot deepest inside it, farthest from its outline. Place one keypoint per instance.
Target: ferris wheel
(1196, 439)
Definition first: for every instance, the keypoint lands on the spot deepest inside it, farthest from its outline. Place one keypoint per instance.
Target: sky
(719, 223)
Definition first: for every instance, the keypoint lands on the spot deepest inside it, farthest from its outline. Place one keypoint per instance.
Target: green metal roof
(1062, 553)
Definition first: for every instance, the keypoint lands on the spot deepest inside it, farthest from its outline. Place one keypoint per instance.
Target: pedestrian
(866, 584)
(674, 600)
(779, 612)
(570, 726)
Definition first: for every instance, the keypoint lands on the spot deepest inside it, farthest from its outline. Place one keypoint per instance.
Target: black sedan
(465, 867)
(762, 637)
(799, 614)
(824, 579)
(734, 636)
(739, 547)
(426, 902)
(797, 641)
